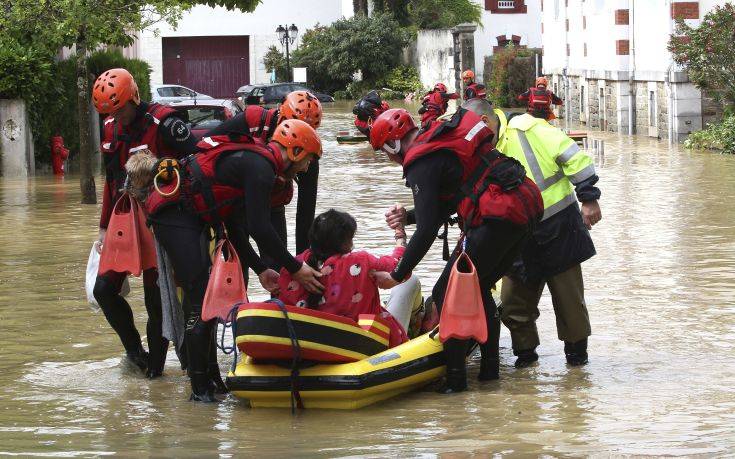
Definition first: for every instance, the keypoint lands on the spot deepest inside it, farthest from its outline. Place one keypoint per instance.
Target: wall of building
(601, 44)
(260, 26)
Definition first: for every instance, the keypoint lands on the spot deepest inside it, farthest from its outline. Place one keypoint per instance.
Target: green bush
(333, 54)
(404, 79)
(444, 14)
(718, 136)
(99, 61)
(513, 72)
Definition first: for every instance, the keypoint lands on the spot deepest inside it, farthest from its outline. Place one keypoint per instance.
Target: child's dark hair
(329, 235)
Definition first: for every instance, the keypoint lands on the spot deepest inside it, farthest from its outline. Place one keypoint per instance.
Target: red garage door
(215, 66)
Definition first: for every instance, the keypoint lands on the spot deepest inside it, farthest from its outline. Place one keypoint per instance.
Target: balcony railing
(506, 4)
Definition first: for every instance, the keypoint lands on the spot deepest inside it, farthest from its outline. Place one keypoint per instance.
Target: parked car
(244, 91)
(169, 93)
(272, 94)
(203, 115)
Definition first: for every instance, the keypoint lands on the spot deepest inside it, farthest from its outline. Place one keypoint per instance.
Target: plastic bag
(93, 264)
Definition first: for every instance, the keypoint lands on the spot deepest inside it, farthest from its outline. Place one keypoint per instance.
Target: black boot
(138, 357)
(490, 353)
(157, 344)
(525, 358)
(455, 352)
(213, 371)
(455, 382)
(198, 340)
(576, 352)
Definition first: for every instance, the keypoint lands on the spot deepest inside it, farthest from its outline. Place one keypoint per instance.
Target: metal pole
(288, 62)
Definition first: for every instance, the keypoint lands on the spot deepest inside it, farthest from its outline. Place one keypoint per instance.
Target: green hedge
(718, 136)
(513, 72)
(49, 89)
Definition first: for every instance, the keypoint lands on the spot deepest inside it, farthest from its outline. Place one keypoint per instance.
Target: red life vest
(213, 201)
(477, 89)
(481, 191)
(119, 142)
(539, 99)
(261, 122)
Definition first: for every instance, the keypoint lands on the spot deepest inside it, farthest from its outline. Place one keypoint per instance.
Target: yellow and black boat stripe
(326, 333)
(265, 383)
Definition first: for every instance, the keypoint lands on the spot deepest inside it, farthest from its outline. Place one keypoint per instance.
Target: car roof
(169, 86)
(203, 103)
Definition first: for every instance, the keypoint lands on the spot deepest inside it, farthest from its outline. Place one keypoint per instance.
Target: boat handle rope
(296, 401)
(230, 322)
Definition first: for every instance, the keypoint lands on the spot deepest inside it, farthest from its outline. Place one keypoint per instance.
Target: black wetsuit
(184, 236)
(492, 247)
(175, 135)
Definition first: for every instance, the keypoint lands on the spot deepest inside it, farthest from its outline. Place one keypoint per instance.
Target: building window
(506, 6)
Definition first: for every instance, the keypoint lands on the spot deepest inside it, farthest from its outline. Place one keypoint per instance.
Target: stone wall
(434, 57)
(16, 140)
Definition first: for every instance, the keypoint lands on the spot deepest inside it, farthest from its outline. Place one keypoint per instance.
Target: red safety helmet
(468, 75)
(392, 124)
(113, 89)
(542, 81)
(304, 106)
(299, 139)
(441, 87)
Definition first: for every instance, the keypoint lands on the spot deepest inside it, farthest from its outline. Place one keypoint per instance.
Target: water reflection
(660, 378)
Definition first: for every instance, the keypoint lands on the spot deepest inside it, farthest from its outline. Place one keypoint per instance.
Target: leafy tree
(335, 53)
(48, 25)
(443, 14)
(274, 59)
(707, 52)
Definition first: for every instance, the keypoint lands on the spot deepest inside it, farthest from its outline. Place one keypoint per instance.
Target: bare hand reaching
(269, 281)
(308, 278)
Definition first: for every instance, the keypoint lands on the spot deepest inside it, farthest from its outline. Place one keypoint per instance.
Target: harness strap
(205, 186)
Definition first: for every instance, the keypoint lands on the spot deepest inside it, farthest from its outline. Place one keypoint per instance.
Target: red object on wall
(59, 154)
(622, 17)
(213, 65)
(622, 47)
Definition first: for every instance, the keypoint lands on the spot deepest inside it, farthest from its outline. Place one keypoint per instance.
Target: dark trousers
(492, 247)
(119, 313)
(186, 241)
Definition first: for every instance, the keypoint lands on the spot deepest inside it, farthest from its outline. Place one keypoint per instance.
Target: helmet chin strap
(392, 151)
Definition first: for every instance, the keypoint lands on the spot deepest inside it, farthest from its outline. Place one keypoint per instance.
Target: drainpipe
(566, 68)
(669, 88)
(631, 77)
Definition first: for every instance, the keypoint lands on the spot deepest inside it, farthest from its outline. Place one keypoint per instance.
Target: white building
(608, 60)
(231, 42)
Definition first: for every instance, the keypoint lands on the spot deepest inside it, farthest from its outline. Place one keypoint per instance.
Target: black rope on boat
(296, 401)
(230, 322)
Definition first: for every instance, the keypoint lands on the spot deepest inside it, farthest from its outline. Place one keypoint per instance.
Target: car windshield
(202, 117)
(166, 91)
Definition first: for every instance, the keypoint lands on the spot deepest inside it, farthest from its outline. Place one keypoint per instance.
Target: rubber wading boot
(490, 353)
(198, 340)
(138, 357)
(576, 352)
(525, 358)
(215, 376)
(158, 348)
(456, 381)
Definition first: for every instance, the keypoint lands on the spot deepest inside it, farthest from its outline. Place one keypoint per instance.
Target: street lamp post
(287, 36)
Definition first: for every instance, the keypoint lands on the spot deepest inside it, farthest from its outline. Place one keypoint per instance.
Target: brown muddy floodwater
(661, 377)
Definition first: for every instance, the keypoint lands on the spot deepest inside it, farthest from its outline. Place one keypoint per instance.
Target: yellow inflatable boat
(349, 385)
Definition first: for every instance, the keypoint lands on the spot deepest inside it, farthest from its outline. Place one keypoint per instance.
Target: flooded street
(660, 292)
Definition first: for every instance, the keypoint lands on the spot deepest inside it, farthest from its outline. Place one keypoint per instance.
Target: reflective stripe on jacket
(552, 159)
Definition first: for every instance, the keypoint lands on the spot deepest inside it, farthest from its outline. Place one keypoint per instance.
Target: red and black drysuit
(435, 104)
(260, 123)
(156, 128)
(474, 91)
(230, 182)
(366, 110)
(451, 167)
(539, 101)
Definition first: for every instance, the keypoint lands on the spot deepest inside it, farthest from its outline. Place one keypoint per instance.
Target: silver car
(170, 93)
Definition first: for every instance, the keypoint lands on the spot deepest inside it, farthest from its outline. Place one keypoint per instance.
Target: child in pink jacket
(349, 289)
